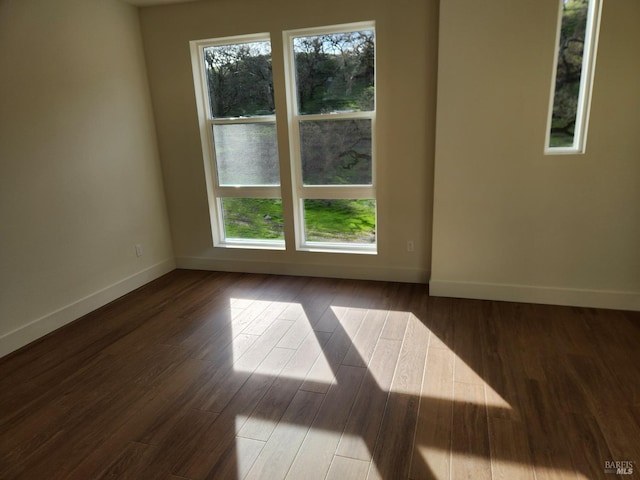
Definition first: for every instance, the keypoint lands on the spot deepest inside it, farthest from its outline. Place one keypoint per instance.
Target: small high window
(573, 76)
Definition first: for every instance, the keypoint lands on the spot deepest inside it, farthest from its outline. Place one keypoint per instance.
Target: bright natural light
(266, 334)
(251, 318)
(289, 326)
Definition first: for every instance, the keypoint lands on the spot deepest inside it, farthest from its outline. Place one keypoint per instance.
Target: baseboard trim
(533, 294)
(46, 324)
(327, 270)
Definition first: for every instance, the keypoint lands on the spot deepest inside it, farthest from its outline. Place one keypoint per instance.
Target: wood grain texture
(431, 456)
(343, 467)
(395, 442)
(209, 375)
(470, 438)
(316, 452)
(361, 431)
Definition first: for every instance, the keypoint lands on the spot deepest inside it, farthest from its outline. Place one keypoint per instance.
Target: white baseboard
(40, 327)
(326, 270)
(534, 294)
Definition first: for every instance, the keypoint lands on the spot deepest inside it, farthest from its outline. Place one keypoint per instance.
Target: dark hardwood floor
(204, 375)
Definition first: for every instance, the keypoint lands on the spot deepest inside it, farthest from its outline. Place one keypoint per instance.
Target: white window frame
(301, 191)
(586, 81)
(216, 192)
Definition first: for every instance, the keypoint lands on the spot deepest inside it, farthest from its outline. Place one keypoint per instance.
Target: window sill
(563, 151)
(358, 249)
(252, 244)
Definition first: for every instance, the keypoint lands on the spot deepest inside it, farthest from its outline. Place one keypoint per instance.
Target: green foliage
(560, 139)
(335, 72)
(240, 80)
(253, 218)
(351, 221)
(569, 70)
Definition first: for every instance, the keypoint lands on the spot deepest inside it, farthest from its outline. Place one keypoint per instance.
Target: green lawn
(253, 218)
(350, 221)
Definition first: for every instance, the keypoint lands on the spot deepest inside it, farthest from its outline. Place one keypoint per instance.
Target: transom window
(330, 117)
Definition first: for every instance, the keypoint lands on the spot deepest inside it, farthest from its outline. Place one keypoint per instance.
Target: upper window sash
(219, 109)
(332, 40)
(329, 115)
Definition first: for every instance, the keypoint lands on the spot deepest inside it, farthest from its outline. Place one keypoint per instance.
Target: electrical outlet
(138, 250)
(409, 245)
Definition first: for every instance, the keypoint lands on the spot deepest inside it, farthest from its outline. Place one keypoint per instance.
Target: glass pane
(335, 72)
(247, 154)
(252, 218)
(340, 221)
(568, 72)
(239, 79)
(336, 152)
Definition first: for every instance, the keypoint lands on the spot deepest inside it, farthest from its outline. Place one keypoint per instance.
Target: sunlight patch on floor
(363, 328)
(262, 326)
(438, 460)
(254, 427)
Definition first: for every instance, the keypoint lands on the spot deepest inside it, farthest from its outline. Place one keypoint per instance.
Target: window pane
(252, 218)
(335, 72)
(247, 154)
(340, 221)
(239, 79)
(336, 152)
(568, 72)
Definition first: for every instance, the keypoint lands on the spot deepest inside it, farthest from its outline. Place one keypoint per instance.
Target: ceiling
(147, 3)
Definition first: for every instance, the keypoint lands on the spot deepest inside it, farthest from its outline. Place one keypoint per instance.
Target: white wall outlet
(409, 245)
(138, 249)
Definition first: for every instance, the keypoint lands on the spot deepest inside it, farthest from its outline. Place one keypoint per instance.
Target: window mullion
(341, 192)
(333, 116)
(242, 120)
(248, 192)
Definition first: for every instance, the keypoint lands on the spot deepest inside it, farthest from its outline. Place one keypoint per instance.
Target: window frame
(301, 192)
(592, 30)
(215, 191)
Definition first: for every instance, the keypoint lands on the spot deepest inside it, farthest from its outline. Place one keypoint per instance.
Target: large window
(331, 96)
(238, 129)
(330, 92)
(573, 78)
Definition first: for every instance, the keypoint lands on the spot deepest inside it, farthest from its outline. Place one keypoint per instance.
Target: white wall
(509, 222)
(80, 181)
(406, 63)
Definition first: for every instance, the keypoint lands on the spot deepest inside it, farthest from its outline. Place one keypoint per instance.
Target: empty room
(284, 239)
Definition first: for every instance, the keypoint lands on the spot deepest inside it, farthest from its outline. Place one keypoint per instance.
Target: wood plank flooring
(206, 375)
